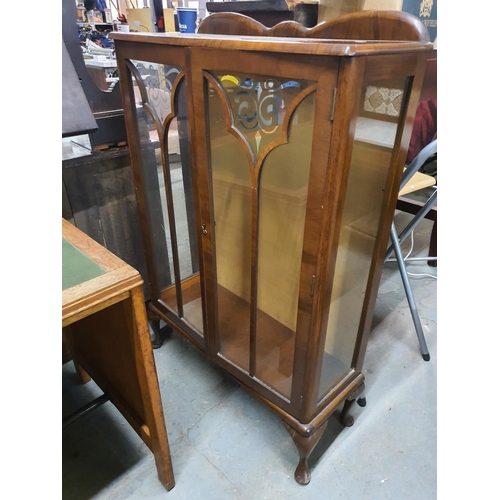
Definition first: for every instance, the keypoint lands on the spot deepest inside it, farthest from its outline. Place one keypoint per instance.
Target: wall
(331, 9)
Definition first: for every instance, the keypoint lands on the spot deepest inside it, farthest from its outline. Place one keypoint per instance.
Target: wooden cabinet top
(289, 45)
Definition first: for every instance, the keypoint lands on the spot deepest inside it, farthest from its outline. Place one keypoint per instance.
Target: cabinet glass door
(260, 132)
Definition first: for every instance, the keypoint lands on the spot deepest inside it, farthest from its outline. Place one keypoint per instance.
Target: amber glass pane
(376, 127)
(248, 115)
(282, 208)
(232, 186)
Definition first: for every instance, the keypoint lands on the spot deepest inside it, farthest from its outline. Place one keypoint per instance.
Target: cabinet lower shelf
(274, 342)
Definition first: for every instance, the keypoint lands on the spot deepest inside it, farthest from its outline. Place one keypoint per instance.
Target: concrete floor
(225, 444)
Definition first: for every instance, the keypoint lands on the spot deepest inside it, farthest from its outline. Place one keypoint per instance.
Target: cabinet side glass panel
(376, 127)
(160, 100)
(282, 208)
(151, 164)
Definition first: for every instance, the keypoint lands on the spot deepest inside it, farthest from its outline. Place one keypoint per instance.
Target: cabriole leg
(345, 418)
(305, 446)
(154, 322)
(362, 400)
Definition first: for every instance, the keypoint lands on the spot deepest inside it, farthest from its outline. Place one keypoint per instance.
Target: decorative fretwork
(383, 100)
(158, 80)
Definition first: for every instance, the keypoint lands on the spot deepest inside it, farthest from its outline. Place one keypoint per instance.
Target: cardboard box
(140, 20)
(331, 9)
(383, 5)
(169, 20)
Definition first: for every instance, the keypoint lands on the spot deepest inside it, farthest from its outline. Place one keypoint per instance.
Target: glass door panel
(282, 209)
(376, 127)
(160, 99)
(260, 145)
(151, 109)
(232, 205)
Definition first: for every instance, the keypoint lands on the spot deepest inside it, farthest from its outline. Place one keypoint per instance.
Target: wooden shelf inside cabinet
(275, 230)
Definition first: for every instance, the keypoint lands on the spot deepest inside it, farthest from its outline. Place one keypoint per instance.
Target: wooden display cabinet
(276, 217)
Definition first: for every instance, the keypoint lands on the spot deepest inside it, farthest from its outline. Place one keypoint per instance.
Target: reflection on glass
(282, 209)
(103, 73)
(158, 80)
(154, 184)
(375, 134)
(171, 197)
(184, 213)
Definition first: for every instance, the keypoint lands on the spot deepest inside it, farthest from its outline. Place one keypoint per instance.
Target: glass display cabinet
(277, 185)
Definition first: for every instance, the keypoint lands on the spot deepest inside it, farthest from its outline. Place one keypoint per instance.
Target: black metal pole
(84, 410)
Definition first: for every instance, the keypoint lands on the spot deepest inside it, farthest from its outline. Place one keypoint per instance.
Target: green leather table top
(76, 266)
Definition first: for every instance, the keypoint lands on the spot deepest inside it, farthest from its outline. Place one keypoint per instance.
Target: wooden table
(105, 326)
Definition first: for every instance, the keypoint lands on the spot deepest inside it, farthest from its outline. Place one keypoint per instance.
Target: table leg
(82, 375)
(148, 381)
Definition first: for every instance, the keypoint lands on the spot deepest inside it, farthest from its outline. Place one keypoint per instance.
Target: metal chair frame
(396, 240)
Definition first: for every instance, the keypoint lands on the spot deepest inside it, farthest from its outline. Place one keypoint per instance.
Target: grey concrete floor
(225, 444)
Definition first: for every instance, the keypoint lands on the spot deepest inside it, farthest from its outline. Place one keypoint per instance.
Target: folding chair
(414, 180)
